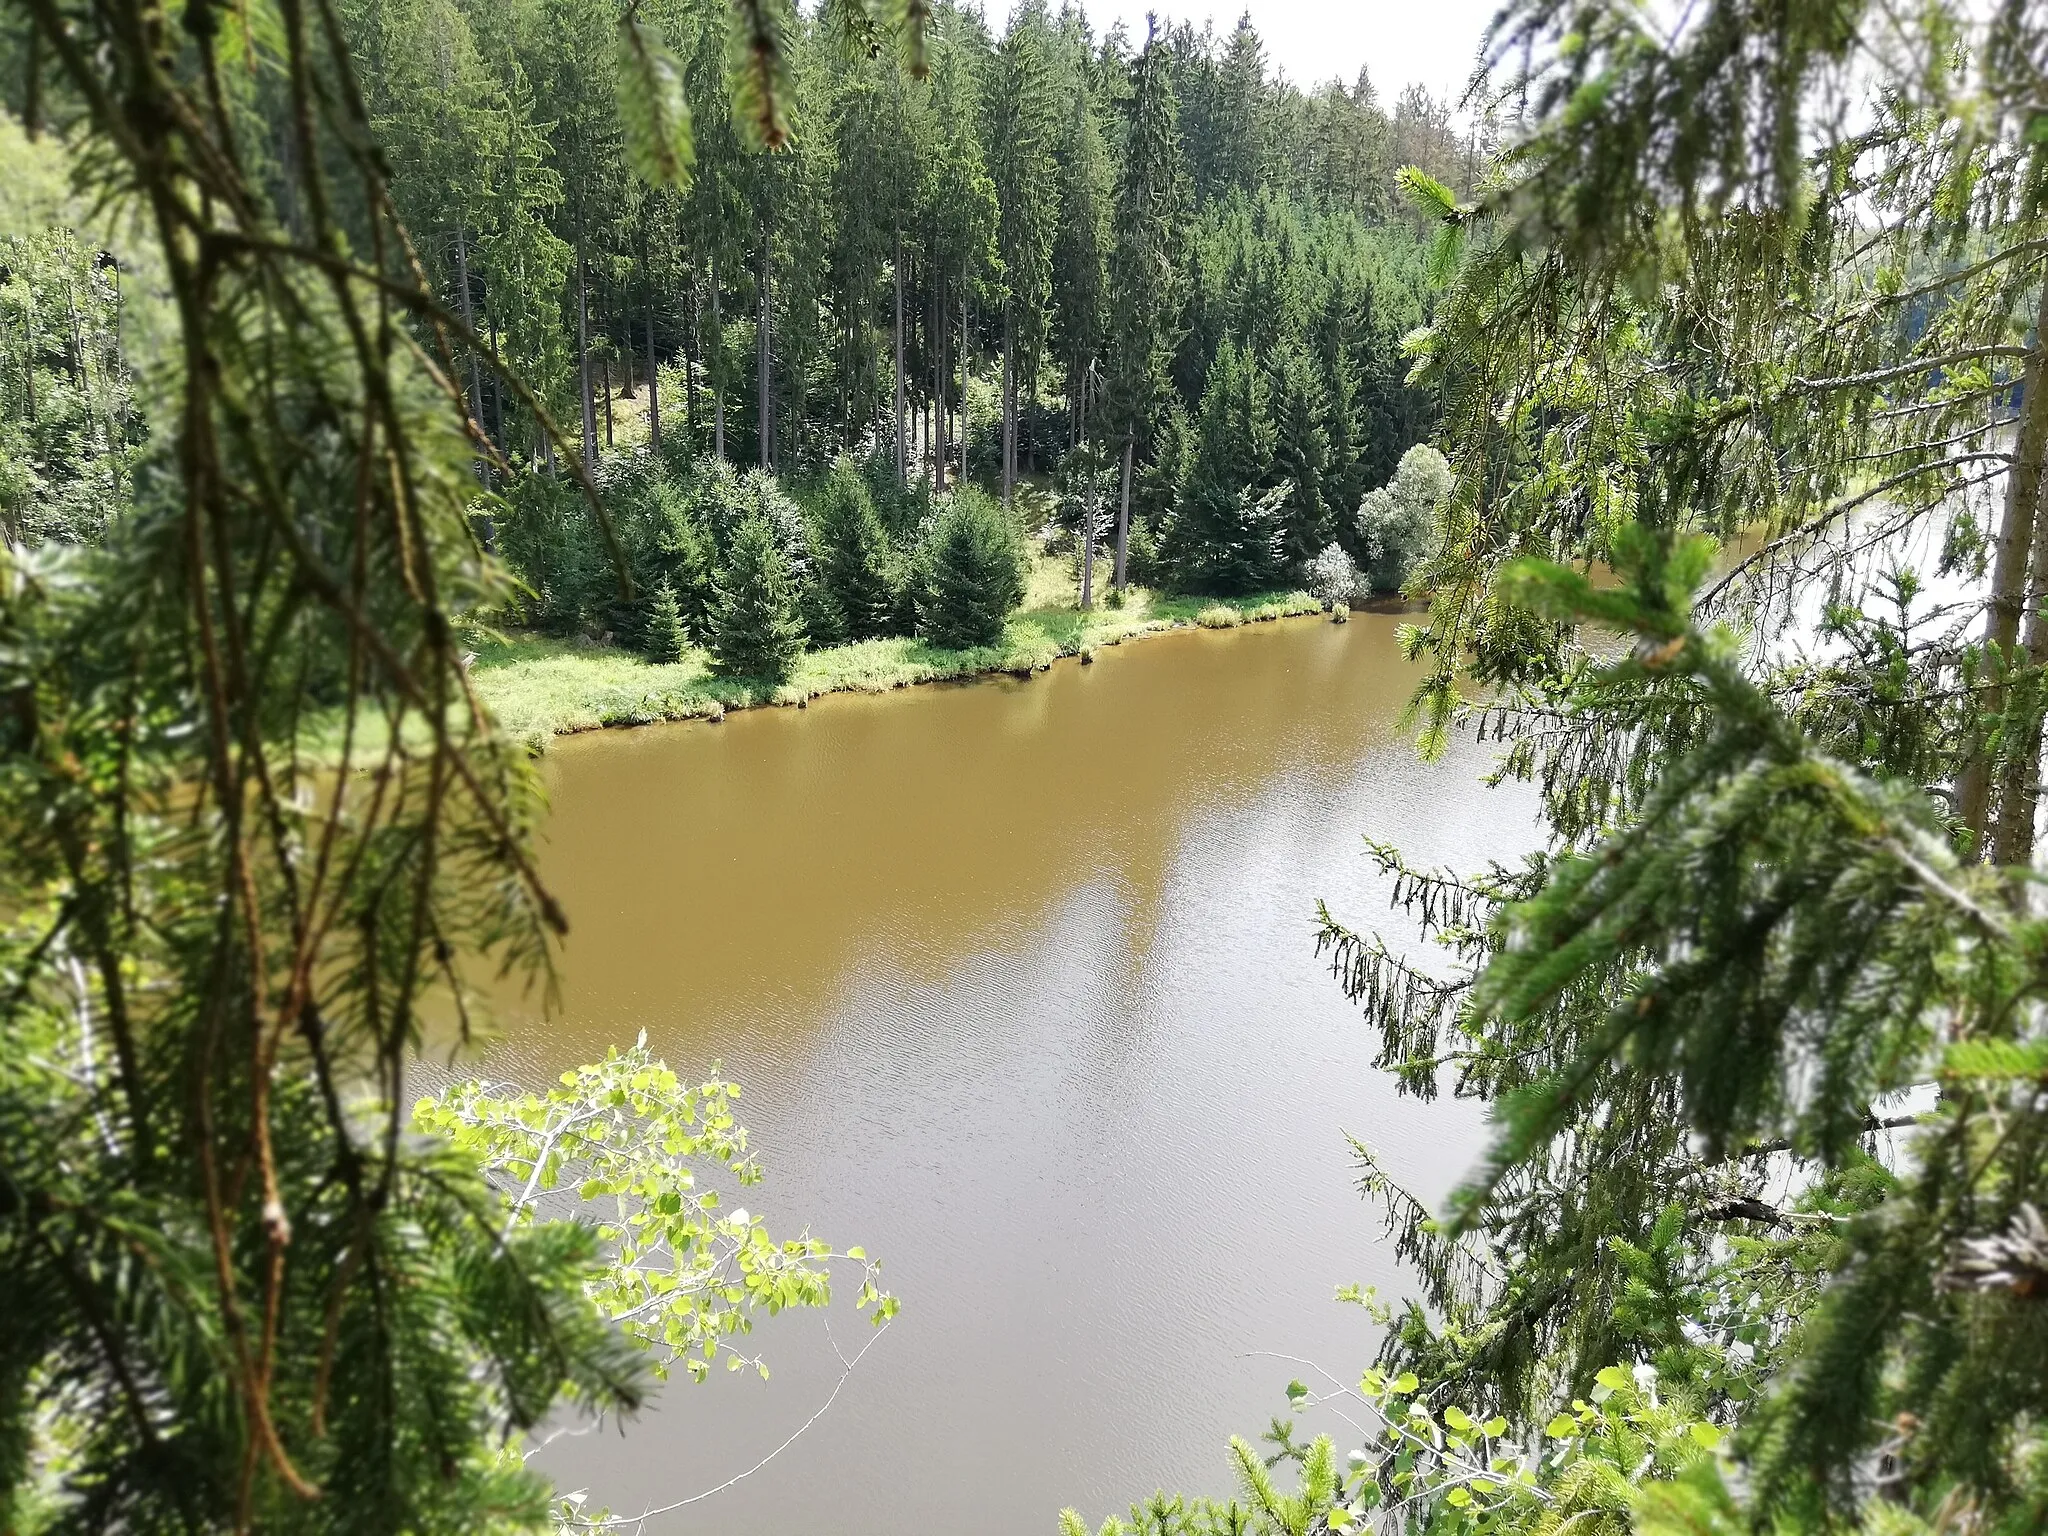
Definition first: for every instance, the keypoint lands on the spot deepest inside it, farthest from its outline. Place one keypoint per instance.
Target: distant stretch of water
(1019, 980)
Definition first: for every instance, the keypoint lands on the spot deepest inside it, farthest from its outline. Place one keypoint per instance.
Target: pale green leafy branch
(633, 1143)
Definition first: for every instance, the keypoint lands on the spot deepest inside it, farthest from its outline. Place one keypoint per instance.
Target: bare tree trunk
(74, 355)
(1123, 513)
(476, 383)
(902, 430)
(583, 358)
(497, 394)
(715, 374)
(606, 365)
(2019, 796)
(28, 341)
(1009, 409)
(2017, 538)
(939, 378)
(765, 409)
(964, 360)
(1087, 512)
(653, 380)
(693, 348)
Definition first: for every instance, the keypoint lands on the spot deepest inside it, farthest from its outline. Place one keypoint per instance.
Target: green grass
(540, 688)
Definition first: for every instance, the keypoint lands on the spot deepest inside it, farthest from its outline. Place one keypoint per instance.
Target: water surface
(1019, 979)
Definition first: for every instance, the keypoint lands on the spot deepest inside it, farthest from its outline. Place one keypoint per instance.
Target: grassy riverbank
(540, 688)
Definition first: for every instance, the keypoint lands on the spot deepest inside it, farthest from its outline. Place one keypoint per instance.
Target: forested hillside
(1146, 277)
(1044, 203)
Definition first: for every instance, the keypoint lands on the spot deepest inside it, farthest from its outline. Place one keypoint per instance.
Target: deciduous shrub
(1333, 577)
(1397, 522)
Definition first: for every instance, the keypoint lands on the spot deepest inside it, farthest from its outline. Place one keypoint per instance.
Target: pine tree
(970, 576)
(853, 556)
(755, 631)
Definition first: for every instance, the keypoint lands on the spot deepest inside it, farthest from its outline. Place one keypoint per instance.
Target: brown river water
(1019, 979)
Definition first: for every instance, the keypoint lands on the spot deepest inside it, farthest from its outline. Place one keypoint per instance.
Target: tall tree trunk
(2019, 797)
(963, 383)
(939, 377)
(476, 383)
(715, 374)
(497, 393)
(2017, 539)
(74, 354)
(583, 359)
(1123, 512)
(902, 428)
(764, 337)
(1009, 407)
(1087, 509)
(28, 341)
(653, 360)
(692, 349)
(606, 365)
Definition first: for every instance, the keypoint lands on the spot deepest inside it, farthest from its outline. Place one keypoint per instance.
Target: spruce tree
(668, 637)
(1301, 458)
(1223, 534)
(853, 557)
(1782, 893)
(1146, 278)
(755, 629)
(686, 560)
(971, 574)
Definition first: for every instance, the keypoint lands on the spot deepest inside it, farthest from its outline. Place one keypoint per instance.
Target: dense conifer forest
(1142, 291)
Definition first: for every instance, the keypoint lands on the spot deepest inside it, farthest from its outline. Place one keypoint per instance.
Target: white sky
(1433, 41)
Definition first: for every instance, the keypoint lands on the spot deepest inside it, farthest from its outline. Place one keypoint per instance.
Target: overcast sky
(1398, 40)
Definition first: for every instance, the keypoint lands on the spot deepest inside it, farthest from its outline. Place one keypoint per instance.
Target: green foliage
(668, 637)
(1333, 577)
(244, 1299)
(622, 1148)
(970, 574)
(1398, 523)
(71, 428)
(853, 557)
(1224, 533)
(755, 628)
(659, 141)
(1301, 460)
